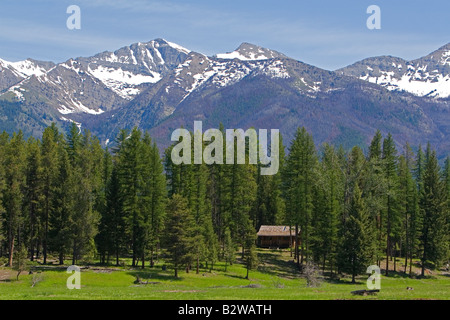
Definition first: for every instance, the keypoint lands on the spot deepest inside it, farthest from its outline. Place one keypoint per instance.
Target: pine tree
(60, 204)
(375, 146)
(210, 254)
(50, 139)
(13, 195)
(130, 167)
(250, 257)
(20, 261)
(113, 220)
(85, 155)
(103, 239)
(328, 204)
(238, 192)
(153, 197)
(179, 233)
(356, 250)
(432, 203)
(200, 209)
(374, 186)
(229, 249)
(3, 144)
(389, 161)
(33, 195)
(299, 176)
(446, 178)
(408, 206)
(419, 169)
(216, 192)
(270, 205)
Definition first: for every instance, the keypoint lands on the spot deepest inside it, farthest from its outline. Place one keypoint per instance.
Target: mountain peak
(441, 56)
(247, 51)
(160, 42)
(445, 47)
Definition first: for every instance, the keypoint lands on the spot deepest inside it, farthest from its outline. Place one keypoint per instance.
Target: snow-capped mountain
(160, 86)
(199, 74)
(124, 70)
(11, 73)
(426, 76)
(95, 84)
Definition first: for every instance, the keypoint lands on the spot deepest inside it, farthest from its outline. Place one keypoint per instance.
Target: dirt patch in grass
(103, 270)
(7, 274)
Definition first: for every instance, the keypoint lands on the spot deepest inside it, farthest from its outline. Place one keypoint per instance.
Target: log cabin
(276, 236)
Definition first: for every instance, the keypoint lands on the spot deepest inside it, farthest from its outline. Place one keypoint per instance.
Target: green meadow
(275, 278)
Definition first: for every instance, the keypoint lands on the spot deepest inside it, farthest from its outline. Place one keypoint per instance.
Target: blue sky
(326, 33)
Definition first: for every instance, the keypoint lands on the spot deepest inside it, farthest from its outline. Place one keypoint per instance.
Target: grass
(276, 278)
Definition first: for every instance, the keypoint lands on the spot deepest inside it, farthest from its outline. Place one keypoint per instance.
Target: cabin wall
(275, 241)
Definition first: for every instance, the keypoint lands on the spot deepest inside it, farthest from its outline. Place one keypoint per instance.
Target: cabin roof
(265, 230)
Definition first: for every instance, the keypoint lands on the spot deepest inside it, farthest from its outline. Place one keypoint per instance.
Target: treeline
(66, 197)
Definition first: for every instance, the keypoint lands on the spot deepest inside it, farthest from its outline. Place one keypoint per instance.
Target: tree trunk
(156, 253)
(422, 273)
(11, 252)
(406, 262)
(395, 260)
(296, 246)
(44, 249)
(324, 262)
(31, 250)
(410, 265)
(151, 258)
(198, 265)
(290, 240)
(353, 272)
(74, 254)
(61, 257)
(387, 253)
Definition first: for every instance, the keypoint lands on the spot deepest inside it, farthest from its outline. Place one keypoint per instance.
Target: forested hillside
(64, 197)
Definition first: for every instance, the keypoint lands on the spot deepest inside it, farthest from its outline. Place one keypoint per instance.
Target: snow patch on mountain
(76, 107)
(275, 69)
(416, 81)
(178, 47)
(234, 55)
(445, 59)
(27, 68)
(18, 91)
(121, 81)
(260, 55)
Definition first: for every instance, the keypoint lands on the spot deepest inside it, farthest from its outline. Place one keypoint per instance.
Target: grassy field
(276, 278)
